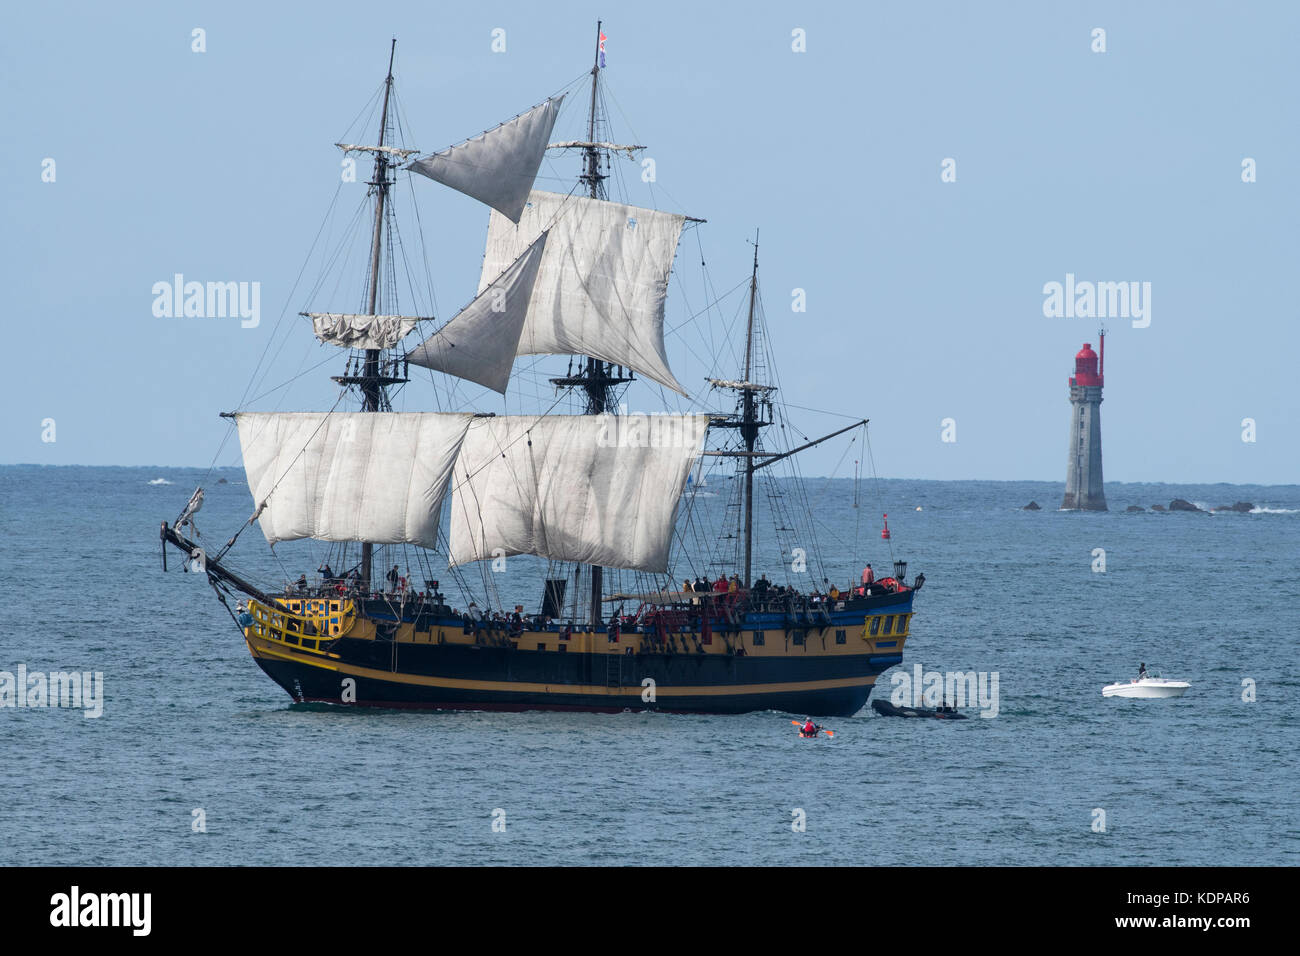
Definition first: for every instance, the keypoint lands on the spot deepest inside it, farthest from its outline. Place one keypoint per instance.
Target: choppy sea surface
(191, 724)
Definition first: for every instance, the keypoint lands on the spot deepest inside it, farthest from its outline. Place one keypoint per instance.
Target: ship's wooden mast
(596, 378)
(371, 382)
(597, 384)
(748, 426)
(372, 374)
(749, 423)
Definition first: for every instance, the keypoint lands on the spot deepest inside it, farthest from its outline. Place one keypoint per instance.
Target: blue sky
(924, 298)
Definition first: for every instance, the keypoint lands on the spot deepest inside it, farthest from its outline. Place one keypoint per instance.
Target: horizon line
(1108, 481)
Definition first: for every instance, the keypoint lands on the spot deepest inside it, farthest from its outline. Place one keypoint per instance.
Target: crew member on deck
(868, 576)
(326, 574)
(301, 583)
(721, 585)
(1142, 671)
(393, 578)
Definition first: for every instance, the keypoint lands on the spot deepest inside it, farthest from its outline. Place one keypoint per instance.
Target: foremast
(372, 380)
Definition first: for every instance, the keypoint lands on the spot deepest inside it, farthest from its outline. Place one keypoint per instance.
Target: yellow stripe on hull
(263, 648)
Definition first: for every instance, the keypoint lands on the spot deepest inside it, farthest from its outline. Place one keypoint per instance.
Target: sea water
(198, 758)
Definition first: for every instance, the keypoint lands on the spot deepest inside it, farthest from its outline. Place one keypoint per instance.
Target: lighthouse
(1083, 490)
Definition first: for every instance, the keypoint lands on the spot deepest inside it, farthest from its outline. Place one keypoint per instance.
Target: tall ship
(429, 526)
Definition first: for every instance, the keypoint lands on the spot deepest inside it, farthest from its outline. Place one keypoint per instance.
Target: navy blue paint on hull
(307, 683)
(494, 663)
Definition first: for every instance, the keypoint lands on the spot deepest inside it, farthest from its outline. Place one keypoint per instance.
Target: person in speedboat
(1142, 671)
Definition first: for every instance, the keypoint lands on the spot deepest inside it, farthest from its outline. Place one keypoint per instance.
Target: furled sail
(596, 489)
(350, 476)
(361, 331)
(602, 283)
(497, 167)
(481, 341)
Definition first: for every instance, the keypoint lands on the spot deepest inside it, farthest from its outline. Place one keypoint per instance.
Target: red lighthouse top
(1085, 367)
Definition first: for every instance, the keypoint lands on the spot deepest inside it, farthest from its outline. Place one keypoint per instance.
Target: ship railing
(302, 619)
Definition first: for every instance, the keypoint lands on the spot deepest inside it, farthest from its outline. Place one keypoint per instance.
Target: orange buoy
(884, 535)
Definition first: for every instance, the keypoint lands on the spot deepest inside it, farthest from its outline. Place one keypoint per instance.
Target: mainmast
(748, 426)
(596, 378)
(371, 381)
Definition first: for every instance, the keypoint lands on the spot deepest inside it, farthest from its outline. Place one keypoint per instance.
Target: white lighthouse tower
(1083, 490)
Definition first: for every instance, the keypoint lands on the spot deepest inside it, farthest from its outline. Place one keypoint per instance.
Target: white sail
(350, 476)
(481, 341)
(497, 167)
(602, 283)
(353, 331)
(596, 489)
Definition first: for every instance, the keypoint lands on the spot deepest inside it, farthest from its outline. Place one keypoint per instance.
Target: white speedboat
(1147, 688)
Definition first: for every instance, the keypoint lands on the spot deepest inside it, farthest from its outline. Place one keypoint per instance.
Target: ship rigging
(573, 274)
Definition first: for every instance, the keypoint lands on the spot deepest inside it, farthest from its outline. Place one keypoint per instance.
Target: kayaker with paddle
(809, 729)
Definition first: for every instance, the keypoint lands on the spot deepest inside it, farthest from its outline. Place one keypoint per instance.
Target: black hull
(809, 661)
(447, 677)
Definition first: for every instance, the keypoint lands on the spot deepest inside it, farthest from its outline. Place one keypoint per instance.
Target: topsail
(602, 283)
(497, 167)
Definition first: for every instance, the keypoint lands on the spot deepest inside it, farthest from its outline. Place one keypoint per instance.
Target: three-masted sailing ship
(598, 494)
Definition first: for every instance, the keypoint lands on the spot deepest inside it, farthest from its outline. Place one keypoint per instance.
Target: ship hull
(308, 684)
(827, 670)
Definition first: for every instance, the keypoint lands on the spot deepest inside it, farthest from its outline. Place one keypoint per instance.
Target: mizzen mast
(755, 414)
(749, 423)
